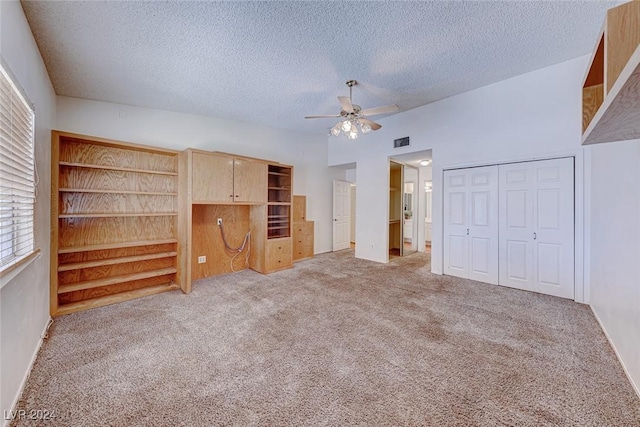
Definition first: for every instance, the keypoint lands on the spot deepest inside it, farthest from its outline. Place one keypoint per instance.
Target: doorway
(403, 209)
(341, 215)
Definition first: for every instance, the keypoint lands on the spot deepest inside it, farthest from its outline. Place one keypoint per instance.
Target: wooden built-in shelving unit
(302, 230)
(114, 222)
(279, 202)
(611, 87)
(271, 224)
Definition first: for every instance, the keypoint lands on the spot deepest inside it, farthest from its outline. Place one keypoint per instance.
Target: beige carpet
(335, 341)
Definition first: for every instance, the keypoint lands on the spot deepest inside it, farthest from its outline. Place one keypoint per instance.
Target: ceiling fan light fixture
(352, 116)
(425, 162)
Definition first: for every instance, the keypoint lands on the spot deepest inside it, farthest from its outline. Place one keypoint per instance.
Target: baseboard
(23, 383)
(615, 350)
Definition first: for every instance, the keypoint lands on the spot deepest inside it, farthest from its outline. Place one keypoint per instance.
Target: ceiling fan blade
(347, 106)
(323, 117)
(380, 110)
(374, 125)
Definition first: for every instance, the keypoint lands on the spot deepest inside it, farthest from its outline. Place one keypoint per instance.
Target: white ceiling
(272, 63)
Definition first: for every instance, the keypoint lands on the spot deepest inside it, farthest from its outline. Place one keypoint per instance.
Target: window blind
(17, 173)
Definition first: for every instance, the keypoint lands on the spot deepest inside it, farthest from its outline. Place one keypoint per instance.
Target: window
(17, 174)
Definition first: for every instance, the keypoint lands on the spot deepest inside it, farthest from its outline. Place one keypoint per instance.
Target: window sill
(12, 270)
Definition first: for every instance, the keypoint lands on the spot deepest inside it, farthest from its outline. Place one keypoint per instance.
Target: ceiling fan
(353, 116)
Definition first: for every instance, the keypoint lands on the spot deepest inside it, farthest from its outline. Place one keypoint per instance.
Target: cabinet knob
(231, 195)
(237, 195)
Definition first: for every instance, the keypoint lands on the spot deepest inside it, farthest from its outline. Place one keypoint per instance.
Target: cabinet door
(212, 178)
(250, 181)
(278, 254)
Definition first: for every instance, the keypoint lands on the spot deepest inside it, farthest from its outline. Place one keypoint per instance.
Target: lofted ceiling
(272, 63)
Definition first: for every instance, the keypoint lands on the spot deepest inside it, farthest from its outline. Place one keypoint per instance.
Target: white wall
(307, 153)
(24, 300)
(534, 115)
(615, 247)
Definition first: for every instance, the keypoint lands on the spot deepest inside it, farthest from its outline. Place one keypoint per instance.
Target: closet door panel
(456, 242)
(554, 227)
(471, 223)
(483, 224)
(516, 226)
(537, 226)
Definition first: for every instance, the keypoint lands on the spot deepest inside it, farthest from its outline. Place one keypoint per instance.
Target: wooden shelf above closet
(611, 87)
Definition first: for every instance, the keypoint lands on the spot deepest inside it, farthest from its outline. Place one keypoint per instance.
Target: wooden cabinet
(278, 254)
(212, 178)
(113, 222)
(302, 240)
(224, 179)
(302, 230)
(279, 201)
(271, 244)
(611, 87)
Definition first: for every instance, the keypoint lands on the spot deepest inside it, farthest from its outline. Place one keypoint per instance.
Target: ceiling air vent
(401, 142)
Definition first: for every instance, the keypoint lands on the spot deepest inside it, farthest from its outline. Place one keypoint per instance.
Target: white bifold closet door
(471, 223)
(537, 226)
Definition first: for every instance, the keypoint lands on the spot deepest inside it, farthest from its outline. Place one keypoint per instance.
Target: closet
(512, 225)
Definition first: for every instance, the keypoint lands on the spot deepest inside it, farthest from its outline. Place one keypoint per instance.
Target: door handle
(535, 236)
(467, 231)
(334, 219)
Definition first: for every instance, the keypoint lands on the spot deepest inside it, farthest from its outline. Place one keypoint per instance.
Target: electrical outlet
(219, 221)
(202, 259)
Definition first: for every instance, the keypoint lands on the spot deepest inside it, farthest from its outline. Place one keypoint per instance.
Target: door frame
(581, 218)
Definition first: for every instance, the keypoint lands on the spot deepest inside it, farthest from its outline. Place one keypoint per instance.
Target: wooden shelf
(115, 168)
(280, 188)
(279, 203)
(105, 246)
(611, 88)
(142, 193)
(279, 173)
(116, 215)
(117, 201)
(278, 227)
(115, 298)
(113, 261)
(106, 281)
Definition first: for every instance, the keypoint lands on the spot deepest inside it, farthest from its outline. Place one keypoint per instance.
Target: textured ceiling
(272, 63)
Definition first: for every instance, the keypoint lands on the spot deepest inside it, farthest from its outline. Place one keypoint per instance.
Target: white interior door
(456, 223)
(471, 223)
(341, 217)
(483, 224)
(537, 226)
